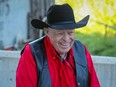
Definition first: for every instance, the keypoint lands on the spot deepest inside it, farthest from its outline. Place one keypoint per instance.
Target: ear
(46, 30)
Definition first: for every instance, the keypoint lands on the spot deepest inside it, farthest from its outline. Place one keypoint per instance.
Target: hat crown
(60, 17)
(60, 13)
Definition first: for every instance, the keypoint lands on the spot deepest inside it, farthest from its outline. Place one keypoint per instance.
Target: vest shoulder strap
(81, 64)
(39, 55)
(79, 53)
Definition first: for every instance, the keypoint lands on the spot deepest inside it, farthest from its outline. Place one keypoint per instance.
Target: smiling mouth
(64, 45)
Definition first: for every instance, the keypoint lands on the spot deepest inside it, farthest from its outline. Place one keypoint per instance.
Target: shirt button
(53, 57)
(79, 84)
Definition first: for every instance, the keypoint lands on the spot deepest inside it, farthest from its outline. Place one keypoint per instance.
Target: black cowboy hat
(60, 17)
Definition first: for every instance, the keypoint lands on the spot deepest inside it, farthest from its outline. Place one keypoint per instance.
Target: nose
(66, 37)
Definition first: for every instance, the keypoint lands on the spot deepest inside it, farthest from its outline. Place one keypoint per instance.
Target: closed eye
(59, 33)
(70, 33)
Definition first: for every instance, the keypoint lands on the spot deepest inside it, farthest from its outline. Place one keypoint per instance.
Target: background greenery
(99, 35)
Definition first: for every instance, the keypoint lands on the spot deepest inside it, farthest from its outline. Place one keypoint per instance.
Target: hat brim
(38, 24)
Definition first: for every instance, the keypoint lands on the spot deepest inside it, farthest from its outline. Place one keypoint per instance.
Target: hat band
(60, 23)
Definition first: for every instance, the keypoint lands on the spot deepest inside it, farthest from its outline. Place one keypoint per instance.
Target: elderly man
(57, 59)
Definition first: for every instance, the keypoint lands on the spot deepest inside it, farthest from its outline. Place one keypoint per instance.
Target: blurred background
(99, 35)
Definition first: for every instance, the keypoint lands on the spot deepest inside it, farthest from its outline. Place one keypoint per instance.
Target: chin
(64, 51)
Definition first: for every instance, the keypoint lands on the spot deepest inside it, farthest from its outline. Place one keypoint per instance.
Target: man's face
(62, 40)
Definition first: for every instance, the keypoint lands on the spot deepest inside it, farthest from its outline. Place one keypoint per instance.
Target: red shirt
(26, 73)
(62, 72)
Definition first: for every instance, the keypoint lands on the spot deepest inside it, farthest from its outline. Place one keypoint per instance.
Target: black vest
(39, 55)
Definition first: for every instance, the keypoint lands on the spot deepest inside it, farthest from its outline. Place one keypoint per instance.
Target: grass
(98, 44)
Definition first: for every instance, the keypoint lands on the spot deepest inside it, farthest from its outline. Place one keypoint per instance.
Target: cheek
(73, 38)
(54, 41)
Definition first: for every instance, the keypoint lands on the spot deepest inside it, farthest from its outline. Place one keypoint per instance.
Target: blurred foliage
(98, 44)
(100, 33)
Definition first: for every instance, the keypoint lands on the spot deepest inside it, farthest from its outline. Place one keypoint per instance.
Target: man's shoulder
(34, 44)
(77, 42)
(26, 48)
(37, 41)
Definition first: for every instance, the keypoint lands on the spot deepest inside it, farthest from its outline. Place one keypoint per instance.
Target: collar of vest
(76, 47)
